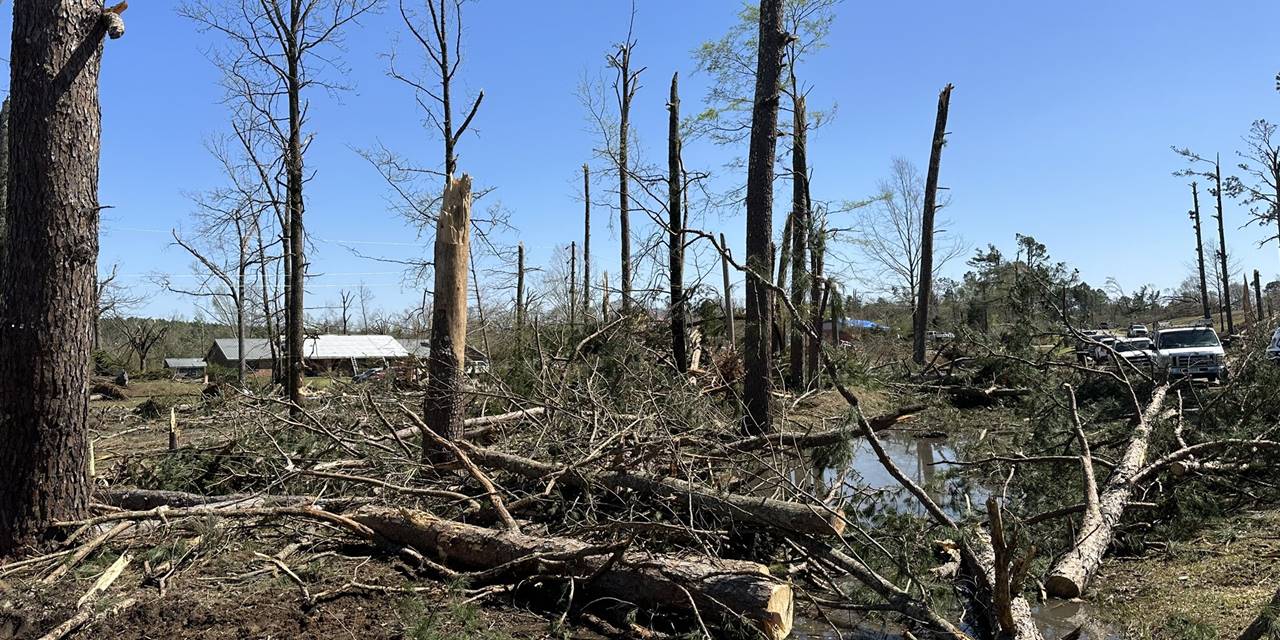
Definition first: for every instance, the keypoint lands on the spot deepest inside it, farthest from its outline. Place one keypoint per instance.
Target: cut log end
(1060, 586)
(779, 613)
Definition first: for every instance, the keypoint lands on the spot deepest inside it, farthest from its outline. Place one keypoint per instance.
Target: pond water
(872, 491)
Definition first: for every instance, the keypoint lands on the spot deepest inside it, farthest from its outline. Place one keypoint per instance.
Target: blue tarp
(864, 324)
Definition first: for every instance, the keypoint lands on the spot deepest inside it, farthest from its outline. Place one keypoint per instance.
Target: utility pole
(926, 232)
(1222, 247)
(1204, 284)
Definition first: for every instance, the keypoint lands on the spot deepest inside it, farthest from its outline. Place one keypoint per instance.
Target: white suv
(1191, 352)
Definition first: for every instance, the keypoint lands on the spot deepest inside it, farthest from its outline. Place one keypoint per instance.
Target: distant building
(320, 354)
(186, 368)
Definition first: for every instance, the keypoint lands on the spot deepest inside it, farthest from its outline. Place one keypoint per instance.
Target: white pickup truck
(1190, 352)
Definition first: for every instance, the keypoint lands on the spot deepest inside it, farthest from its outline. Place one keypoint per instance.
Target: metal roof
(323, 347)
(184, 363)
(420, 347)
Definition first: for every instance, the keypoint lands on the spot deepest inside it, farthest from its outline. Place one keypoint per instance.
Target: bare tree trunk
(1246, 302)
(294, 200)
(586, 243)
(573, 283)
(675, 229)
(268, 315)
(1204, 286)
(519, 290)
(1071, 575)
(926, 231)
(800, 227)
(442, 406)
(1222, 250)
(762, 152)
(627, 85)
(819, 289)
(1257, 293)
(729, 329)
(48, 281)
(604, 298)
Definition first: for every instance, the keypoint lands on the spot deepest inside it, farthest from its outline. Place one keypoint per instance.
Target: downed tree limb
(477, 428)
(786, 515)
(1203, 448)
(148, 499)
(737, 587)
(818, 438)
(85, 610)
(978, 557)
(1070, 576)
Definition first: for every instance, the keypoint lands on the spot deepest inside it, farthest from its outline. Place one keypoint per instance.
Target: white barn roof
(184, 363)
(323, 347)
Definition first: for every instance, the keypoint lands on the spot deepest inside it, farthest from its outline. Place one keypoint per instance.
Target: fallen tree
(783, 514)
(1103, 509)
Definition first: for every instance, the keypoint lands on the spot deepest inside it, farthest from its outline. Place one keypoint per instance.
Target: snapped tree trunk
(926, 230)
(729, 330)
(519, 291)
(762, 152)
(1204, 281)
(48, 281)
(586, 243)
(1071, 575)
(1222, 250)
(1257, 293)
(800, 227)
(294, 186)
(627, 90)
(819, 289)
(442, 405)
(675, 229)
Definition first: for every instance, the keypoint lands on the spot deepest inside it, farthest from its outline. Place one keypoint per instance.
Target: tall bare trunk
(1257, 293)
(48, 281)
(729, 330)
(1222, 249)
(675, 229)
(627, 90)
(294, 200)
(573, 283)
(762, 152)
(800, 227)
(519, 290)
(819, 289)
(586, 242)
(1204, 281)
(442, 405)
(926, 230)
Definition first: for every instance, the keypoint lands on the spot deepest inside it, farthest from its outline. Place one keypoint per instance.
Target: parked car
(1138, 331)
(1273, 351)
(1102, 352)
(1188, 352)
(1135, 351)
(939, 336)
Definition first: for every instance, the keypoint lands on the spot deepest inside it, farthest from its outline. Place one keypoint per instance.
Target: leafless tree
(274, 54)
(887, 235)
(113, 298)
(1261, 163)
(142, 335)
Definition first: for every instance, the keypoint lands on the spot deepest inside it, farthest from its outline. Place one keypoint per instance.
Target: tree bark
(1071, 575)
(762, 152)
(295, 204)
(819, 288)
(926, 230)
(736, 587)
(519, 291)
(800, 227)
(675, 229)
(627, 90)
(442, 405)
(573, 283)
(48, 281)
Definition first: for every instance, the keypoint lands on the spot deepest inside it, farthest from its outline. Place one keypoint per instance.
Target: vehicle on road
(1138, 331)
(1102, 352)
(1135, 351)
(1191, 352)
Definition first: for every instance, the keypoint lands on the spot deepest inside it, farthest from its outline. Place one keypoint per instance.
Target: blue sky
(1061, 123)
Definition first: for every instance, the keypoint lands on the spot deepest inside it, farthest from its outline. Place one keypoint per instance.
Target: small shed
(186, 368)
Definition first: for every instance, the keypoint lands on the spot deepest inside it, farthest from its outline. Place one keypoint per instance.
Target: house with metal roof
(320, 353)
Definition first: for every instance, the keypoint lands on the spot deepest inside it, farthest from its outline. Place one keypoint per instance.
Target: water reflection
(870, 487)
